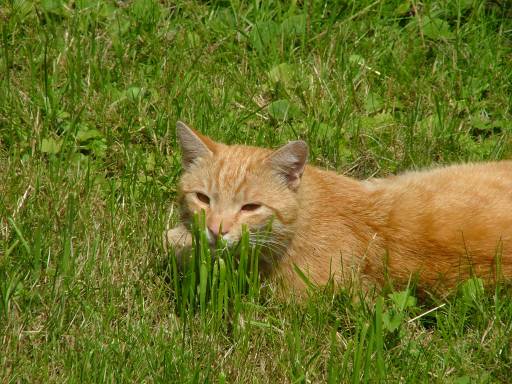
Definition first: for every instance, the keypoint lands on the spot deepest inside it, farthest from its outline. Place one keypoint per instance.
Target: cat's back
(435, 217)
(457, 192)
(498, 173)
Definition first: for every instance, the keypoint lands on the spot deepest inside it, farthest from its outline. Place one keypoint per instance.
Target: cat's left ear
(193, 144)
(289, 162)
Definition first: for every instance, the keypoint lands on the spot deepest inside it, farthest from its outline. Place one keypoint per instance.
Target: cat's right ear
(193, 144)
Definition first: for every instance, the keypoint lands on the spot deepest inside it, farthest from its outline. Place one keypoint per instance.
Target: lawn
(90, 92)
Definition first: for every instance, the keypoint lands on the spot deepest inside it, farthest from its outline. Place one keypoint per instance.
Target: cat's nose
(214, 231)
(218, 226)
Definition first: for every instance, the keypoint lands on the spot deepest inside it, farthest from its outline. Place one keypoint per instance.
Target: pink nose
(218, 223)
(215, 231)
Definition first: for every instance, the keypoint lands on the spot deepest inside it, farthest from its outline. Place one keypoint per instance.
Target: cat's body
(437, 226)
(440, 225)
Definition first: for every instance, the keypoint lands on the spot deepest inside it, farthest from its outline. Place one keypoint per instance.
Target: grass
(89, 95)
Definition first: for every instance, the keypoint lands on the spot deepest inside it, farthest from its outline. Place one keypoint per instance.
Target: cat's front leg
(179, 239)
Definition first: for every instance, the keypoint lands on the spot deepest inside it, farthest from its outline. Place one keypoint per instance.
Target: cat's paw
(178, 238)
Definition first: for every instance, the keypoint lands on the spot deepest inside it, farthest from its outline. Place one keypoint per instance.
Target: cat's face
(239, 186)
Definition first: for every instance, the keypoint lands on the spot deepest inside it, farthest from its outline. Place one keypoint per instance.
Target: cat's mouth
(256, 238)
(221, 241)
(262, 238)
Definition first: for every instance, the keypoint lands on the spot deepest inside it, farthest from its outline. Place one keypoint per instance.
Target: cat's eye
(250, 207)
(203, 198)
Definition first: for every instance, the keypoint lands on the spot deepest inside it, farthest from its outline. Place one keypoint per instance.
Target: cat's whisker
(275, 247)
(266, 242)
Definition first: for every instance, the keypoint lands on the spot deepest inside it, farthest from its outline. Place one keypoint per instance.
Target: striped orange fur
(440, 225)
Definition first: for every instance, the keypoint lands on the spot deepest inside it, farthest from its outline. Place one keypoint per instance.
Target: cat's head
(239, 185)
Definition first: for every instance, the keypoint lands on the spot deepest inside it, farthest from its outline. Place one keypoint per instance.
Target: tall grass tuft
(214, 282)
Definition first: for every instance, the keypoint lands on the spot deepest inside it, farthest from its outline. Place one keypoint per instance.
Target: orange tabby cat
(439, 225)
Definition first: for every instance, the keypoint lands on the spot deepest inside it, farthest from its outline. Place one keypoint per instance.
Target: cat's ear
(193, 144)
(289, 162)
